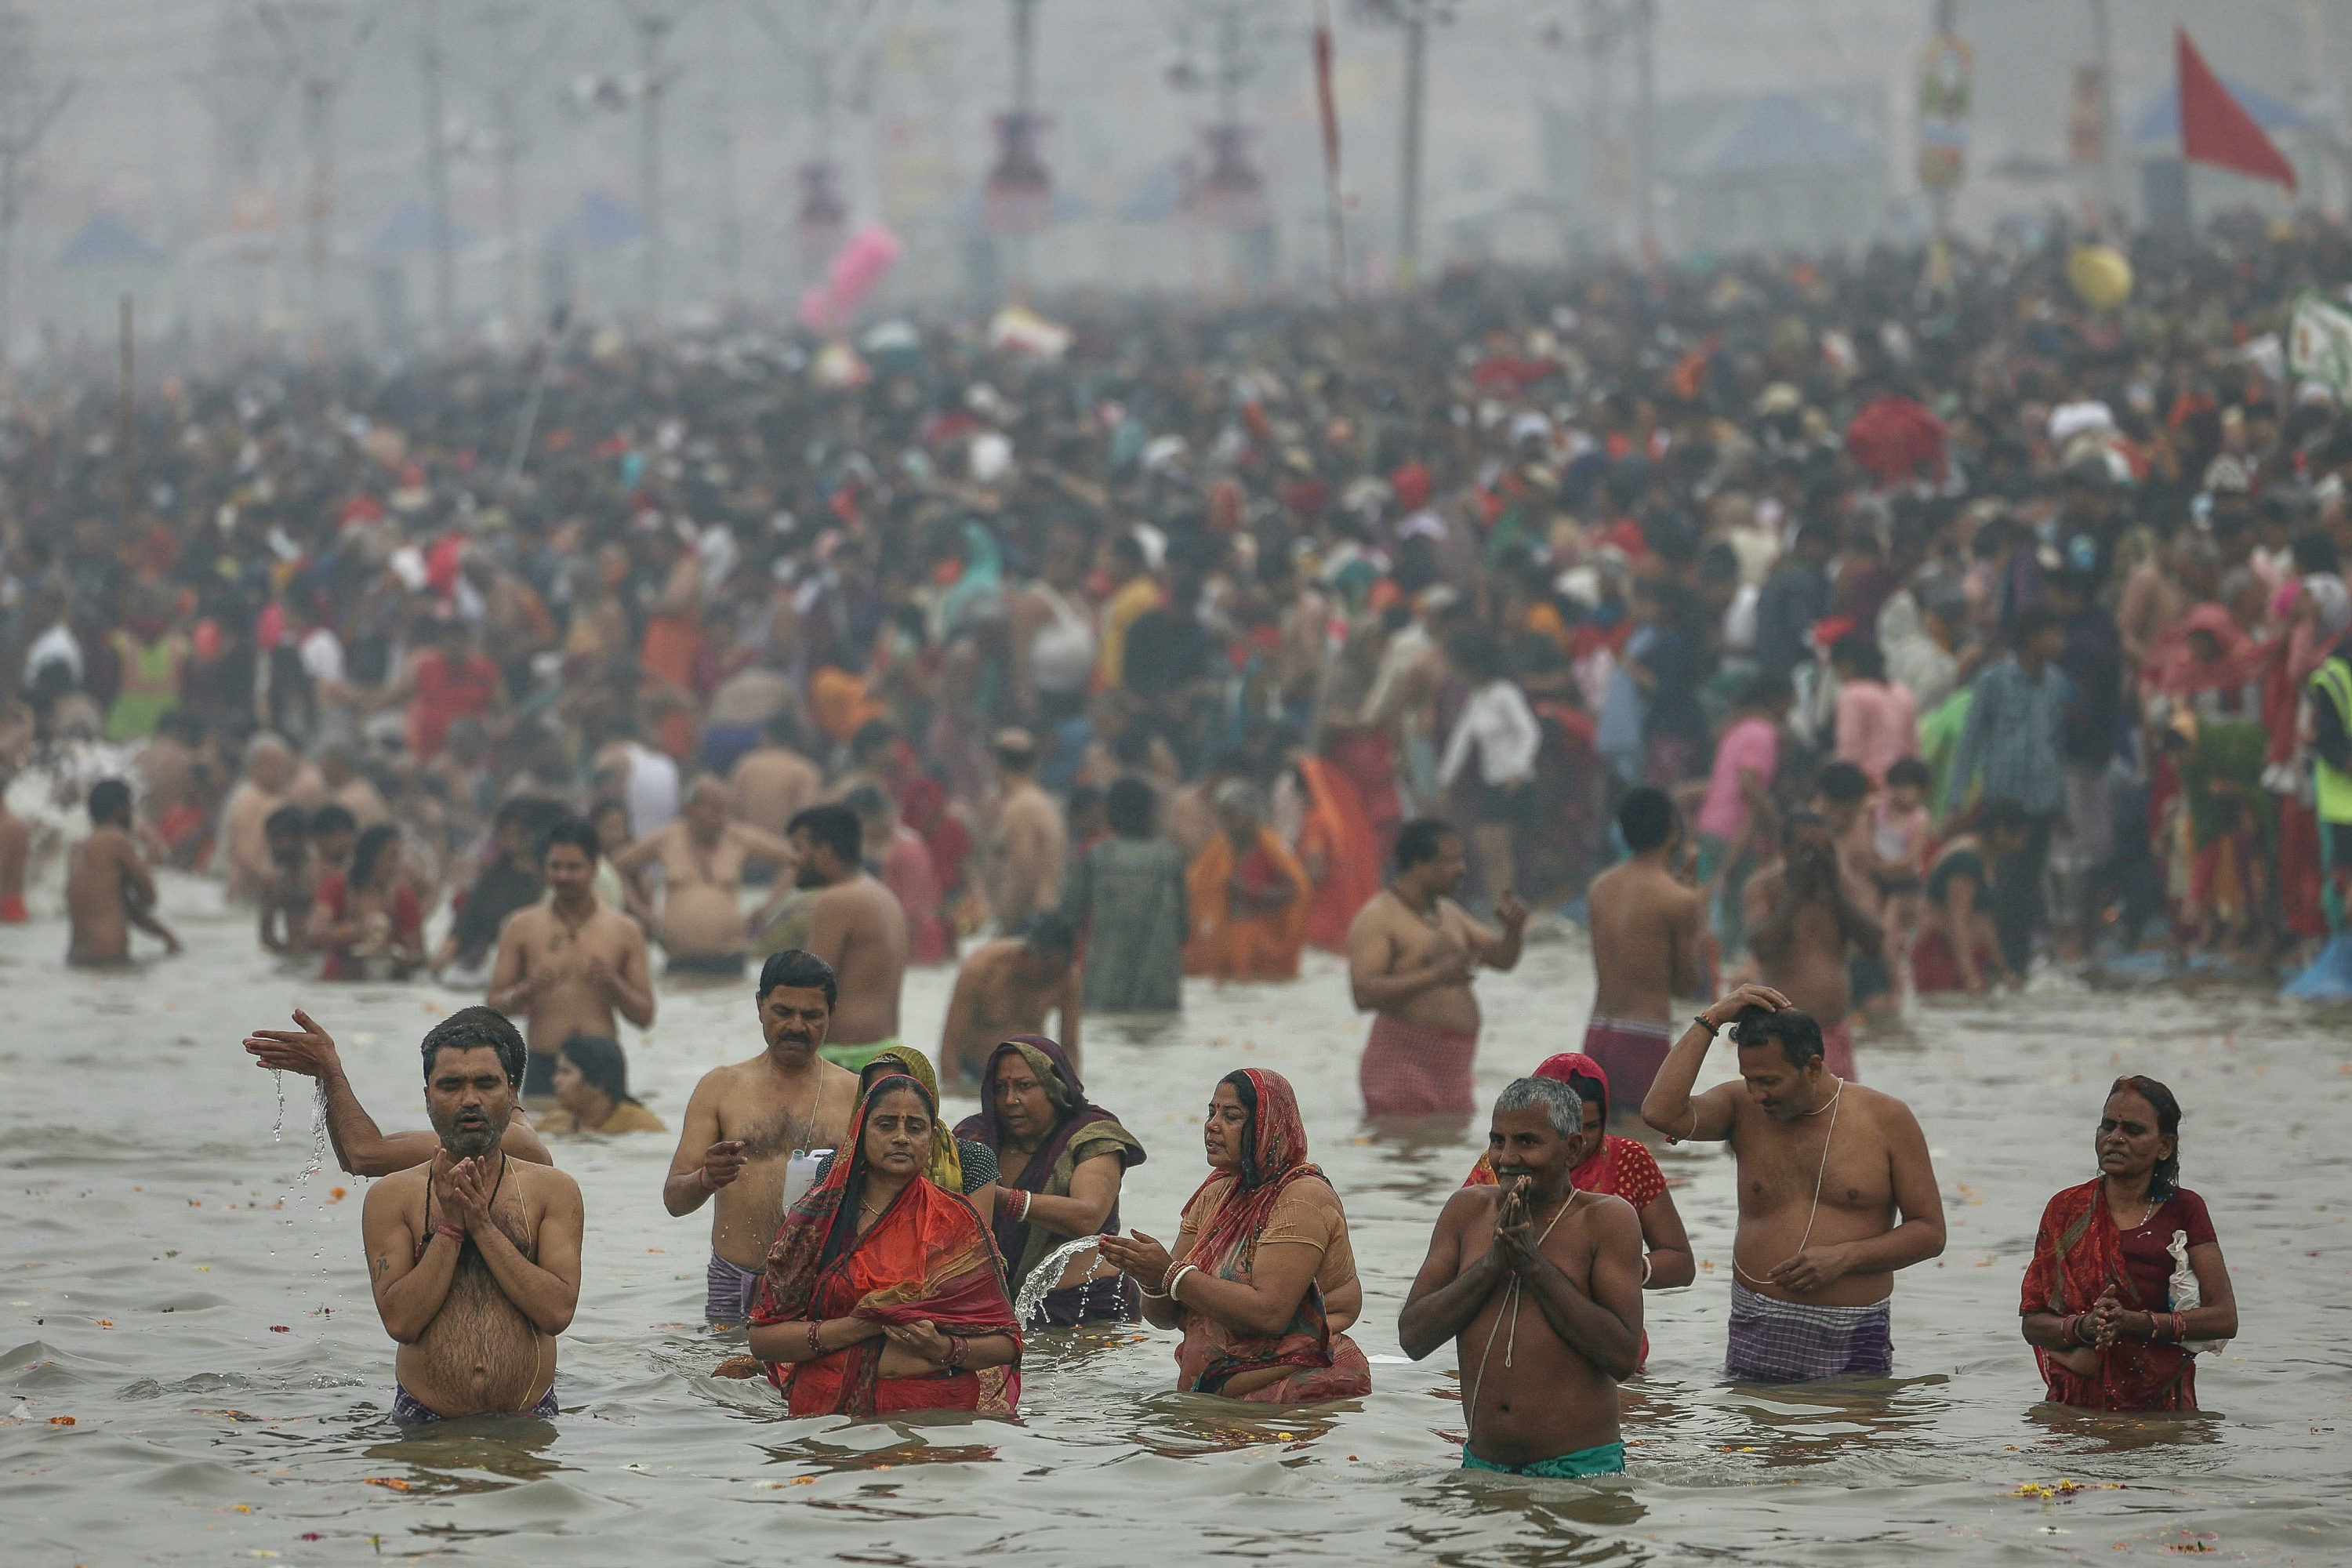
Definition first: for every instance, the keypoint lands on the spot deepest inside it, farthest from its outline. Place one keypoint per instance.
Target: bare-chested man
(1833, 1198)
(269, 774)
(772, 781)
(1005, 988)
(1805, 926)
(744, 1122)
(857, 927)
(1554, 1272)
(702, 855)
(475, 1257)
(1410, 954)
(569, 960)
(107, 889)
(361, 1147)
(1649, 935)
(1032, 842)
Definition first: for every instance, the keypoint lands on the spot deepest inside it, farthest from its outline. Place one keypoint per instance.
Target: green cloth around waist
(1605, 1460)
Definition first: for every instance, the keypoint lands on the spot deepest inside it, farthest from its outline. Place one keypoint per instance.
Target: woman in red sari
(883, 1292)
(1263, 1279)
(2104, 1306)
(1624, 1168)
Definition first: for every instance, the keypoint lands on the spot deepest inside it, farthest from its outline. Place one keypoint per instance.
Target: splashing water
(277, 1128)
(1047, 1275)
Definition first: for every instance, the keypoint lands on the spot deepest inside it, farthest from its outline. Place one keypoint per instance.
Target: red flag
(1323, 101)
(2215, 127)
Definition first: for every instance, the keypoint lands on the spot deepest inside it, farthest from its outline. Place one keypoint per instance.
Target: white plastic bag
(2186, 1297)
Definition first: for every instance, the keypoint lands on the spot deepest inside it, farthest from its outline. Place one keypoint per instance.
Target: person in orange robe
(1250, 896)
(1339, 850)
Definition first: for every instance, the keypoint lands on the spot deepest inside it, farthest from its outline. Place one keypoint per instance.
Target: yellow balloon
(2101, 276)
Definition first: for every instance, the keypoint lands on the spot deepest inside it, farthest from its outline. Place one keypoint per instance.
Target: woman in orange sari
(882, 1292)
(1624, 1168)
(1249, 896)
(2106, 1308)
(1337, 850)
(1263, 1279)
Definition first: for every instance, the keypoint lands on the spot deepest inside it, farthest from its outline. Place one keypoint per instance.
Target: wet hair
(835, 826)
(1052, 932)
(1646, 818)
(1561, 1104)
(1844, 783)
(1798, 1033)
(1591, 1090)
(373, 846)
(1020, 759)
(286, 822)
(1909, 770)
(110, 800)
(574, 831)
(1857, 653)
(800, 970)
(1420, 840)
(1130, 806)
(1247, 1092)
(331, 818)
(600, 1061)
(470, 1028)
(2166, 1179)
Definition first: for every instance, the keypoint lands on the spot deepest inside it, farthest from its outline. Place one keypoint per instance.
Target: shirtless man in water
(361, 1148)
(1556, 1271)
(1833, 1198)
(568, 961)
(107, 889)
(1410, 954)
(1006, 987)
(743, 1122)
(703, 854)
(1649, 933)
(857, 927)
(1806, 924)
(475, 1258)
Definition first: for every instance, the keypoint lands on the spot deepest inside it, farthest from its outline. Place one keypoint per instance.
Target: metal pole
(1416, 87)
(436, 173)
(1646, 105)
(1328, 112)
(1940, 199)
(651, 27)
(2102, 48)
(130, 427)
(1024, 104)
(318, 109)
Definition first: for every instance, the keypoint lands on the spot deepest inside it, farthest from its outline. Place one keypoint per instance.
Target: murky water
(202, 1316)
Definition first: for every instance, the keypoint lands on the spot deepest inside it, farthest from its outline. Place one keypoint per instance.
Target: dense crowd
(2034, 609)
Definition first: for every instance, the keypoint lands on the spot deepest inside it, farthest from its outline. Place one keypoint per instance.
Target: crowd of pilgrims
(1151, 631)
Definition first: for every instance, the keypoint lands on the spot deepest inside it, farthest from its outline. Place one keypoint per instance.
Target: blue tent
(2159, 125)
(1778, 132)
(598, 221)
(107, 241)
(410, 232)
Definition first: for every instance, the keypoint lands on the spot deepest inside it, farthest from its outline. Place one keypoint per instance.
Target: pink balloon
(857, 269)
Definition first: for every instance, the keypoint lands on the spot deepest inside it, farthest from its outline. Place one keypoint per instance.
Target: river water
(198, 1309)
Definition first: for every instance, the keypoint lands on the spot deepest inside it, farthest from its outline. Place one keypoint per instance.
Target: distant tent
(1067, 206)
(107, 241)
(410, 232)
(2157, 129)
(599, 221)
(1778, 132)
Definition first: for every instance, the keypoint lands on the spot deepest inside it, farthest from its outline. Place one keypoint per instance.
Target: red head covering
(1274, 1157)
(925, 1256)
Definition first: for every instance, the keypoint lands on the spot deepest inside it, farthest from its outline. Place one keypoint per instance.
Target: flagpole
(1327, 110)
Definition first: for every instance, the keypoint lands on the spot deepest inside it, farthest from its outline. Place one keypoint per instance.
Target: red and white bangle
(1020, 1215)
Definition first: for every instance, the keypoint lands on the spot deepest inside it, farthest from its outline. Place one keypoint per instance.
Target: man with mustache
(475, 1257)
(1833, 1198)
(744, 1122)
(1552, 1272)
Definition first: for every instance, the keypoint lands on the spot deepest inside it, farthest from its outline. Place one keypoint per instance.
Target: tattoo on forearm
(375, 1269)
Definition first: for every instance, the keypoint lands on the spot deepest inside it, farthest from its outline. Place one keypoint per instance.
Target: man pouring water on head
(744, 1122)
(1836, 1192)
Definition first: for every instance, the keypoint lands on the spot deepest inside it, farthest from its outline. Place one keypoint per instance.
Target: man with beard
(744, 1122)
(857, 927)
(1557, 1270)
(475, 1257)
(1814, 1259)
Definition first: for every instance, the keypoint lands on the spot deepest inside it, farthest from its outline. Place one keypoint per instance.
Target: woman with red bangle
(2106, 1303)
